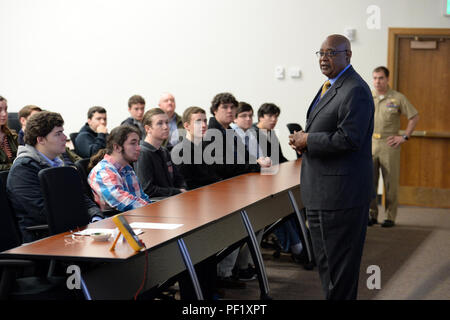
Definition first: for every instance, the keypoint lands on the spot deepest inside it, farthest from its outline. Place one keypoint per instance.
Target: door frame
(394, 34)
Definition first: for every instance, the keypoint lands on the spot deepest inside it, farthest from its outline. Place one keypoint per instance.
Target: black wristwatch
(405, 137)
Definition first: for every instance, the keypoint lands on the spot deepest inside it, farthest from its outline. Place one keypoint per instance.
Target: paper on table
(88, 232)
(150, 225)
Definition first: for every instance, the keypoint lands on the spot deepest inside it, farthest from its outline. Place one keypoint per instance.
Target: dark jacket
(137, 124)
(21, 137)
(6, 163)
(265, 139)
(179, 123)
(156, 173)
(88, 142)
(242, 162)
(336, 168)
(195, 174)
(24, 191)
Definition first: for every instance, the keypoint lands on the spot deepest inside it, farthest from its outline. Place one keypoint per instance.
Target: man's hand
(102, 129)
(395, 141)
(298, 141)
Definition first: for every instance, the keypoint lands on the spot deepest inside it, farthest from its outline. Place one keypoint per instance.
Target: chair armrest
(156, 199)
(110, 212)
(37, 228)
(16, 263)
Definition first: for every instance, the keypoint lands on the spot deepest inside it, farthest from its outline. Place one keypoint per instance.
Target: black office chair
(17, 276)
(292, 127)
(72, 137)
(13, 121)
(82, 167)
(63, 196)
(9, 232)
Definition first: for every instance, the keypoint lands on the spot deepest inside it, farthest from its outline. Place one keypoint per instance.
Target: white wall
(67, 56)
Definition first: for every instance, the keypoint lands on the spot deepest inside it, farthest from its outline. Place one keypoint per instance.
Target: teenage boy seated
(92, 136)
(69, 157)
(23, 115)
(192, 166)
(136, 108)
(243, 125)
(112, 179)
(45, 142)
(154, 168)
(268, 115)
(223, 107)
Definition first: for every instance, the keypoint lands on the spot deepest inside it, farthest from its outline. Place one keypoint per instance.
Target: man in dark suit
(336, 174)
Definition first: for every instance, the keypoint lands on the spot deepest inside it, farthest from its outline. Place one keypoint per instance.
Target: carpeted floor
(413, 257)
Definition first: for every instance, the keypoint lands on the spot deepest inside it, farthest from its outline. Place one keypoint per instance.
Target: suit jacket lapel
(312, 103)
(326, 98)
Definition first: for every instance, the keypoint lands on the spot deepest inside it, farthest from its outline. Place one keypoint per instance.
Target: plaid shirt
(115, 186)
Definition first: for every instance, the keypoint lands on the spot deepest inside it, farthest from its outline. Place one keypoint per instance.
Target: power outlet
(279, 72)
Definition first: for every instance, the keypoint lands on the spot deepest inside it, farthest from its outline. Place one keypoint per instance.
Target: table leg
(253, 246)
(84, 289)
(190, 267)
(302, 223)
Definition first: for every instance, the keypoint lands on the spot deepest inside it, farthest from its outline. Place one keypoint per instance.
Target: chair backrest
(64, 199)
(10, 236)
(13, 121)
(72, 137)
(294, 127)
(83, 171)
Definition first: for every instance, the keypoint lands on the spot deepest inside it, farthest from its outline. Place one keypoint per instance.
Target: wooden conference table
(212, 217)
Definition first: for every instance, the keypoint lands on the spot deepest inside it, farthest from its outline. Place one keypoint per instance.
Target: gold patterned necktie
(325, 87)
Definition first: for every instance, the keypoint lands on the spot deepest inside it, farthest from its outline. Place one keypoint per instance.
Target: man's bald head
(338, 54)
(340, 41)
(167, 103)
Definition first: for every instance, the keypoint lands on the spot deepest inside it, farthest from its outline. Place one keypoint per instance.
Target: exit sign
(446, 8)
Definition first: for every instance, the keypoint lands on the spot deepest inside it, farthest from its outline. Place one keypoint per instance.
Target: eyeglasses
(329, 54)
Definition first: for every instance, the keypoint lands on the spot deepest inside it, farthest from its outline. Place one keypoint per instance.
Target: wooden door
(423, 76)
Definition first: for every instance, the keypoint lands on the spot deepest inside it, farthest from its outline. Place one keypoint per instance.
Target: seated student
(243, 268)
(45, 141)
(243, 126)
(287, 233)
(24, 113)
(92, 136)
(69, 157)
(196, 173)
(8, 138)
(112, 178)
(136, 108)
(191, 163)
(268, 115)
(154, 168)
(223, 107)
